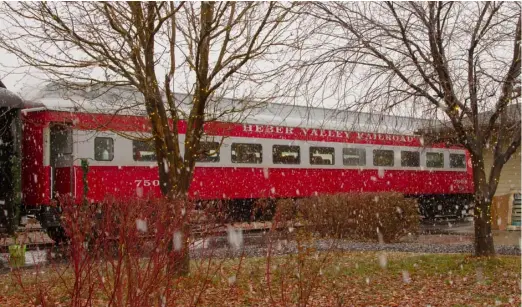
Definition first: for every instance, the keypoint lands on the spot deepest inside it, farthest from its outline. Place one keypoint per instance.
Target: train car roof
(10, 100)
(126, 101)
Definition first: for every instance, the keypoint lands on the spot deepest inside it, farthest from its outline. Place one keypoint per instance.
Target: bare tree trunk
(483, 236)
(173, 177)
(482, 211)
(176, 188)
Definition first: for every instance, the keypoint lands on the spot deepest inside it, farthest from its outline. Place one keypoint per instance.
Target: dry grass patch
(313, 279)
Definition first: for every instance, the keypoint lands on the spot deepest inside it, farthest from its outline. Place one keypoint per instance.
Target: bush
(123, 249)
(383, 217)
(286, 210)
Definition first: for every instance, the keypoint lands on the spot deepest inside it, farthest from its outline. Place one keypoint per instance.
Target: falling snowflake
(383, 262)
(379, 236)
(235, 237)
(367, 280)
(380, 172)
(406, 277)
(177, 240)
(232, 280)
(141, 225)
(139, 191)
(165, 165)
(266, 173)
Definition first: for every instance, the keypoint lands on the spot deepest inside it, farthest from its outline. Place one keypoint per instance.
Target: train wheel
(57, 234)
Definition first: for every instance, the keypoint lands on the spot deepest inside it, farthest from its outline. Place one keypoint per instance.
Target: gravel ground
(433, 238)
(282, 247)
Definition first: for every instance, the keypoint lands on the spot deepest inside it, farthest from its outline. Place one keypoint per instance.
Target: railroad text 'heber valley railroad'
(326, 133)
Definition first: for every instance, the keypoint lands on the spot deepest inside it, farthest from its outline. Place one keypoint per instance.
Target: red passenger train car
(253, 161)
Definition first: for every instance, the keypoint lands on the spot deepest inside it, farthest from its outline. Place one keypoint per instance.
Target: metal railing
(516, 216)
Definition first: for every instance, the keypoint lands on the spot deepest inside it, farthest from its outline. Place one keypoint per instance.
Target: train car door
(61, 160)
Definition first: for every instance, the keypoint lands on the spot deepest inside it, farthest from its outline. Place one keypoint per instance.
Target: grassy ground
(311, 279)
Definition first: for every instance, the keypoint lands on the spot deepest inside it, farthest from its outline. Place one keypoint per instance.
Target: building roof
(9, 99)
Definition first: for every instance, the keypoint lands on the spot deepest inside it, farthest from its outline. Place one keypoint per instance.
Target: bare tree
(153, 48)
(458, 61)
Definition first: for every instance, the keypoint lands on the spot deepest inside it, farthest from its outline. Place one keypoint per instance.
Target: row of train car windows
(286, 154)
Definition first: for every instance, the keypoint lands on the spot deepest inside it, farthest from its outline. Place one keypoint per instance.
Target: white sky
(21, 79)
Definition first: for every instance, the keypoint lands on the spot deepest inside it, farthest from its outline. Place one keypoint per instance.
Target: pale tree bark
(148, 47)
(459, 61)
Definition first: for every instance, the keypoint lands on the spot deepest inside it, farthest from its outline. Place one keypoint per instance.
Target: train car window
(435, 159)
(247, 153)
(457, 160)
(410, 158)
(383, 157)
(322, 155)
(143, 151)
(354, 156)
(62, 139)
(283, 154)
(208, 152)
(103, 149)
